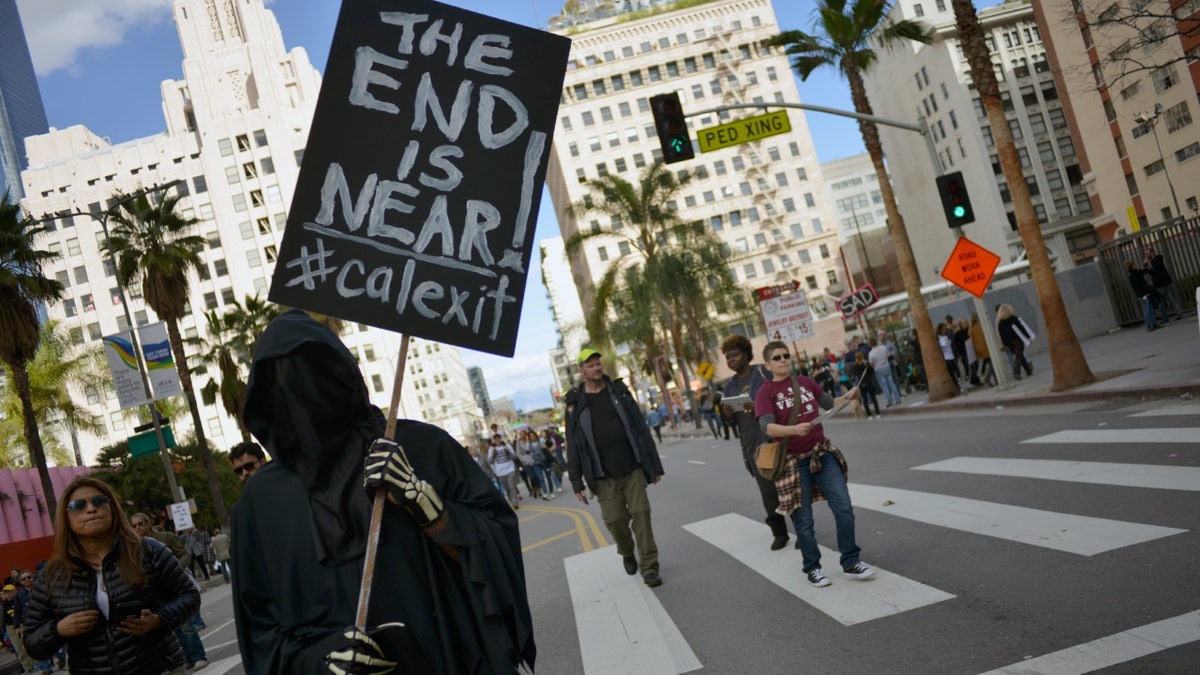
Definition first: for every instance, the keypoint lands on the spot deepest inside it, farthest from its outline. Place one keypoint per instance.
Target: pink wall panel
(20, 518)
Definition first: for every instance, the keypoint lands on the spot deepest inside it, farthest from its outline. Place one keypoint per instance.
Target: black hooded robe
(299, 529)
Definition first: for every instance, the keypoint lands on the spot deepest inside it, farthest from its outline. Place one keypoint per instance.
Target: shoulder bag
(770, 458)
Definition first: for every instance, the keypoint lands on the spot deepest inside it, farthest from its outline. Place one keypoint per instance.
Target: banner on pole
(160, 364)
(418, 194)
(122, 363)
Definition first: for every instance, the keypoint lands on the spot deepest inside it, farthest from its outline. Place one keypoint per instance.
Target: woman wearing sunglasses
(110, 596)
(787, 407)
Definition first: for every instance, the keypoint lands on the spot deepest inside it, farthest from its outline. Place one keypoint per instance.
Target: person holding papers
(815, 468)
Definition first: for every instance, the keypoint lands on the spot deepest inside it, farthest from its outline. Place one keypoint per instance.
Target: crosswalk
(617, 616)
(847, 603)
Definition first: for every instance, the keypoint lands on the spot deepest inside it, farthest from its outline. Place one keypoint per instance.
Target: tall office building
(237, 124)
(1130, 75)
(21, 111)
(479, 390)
(765, 200)
(934, 82)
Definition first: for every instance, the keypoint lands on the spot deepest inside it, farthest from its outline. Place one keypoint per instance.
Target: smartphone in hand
(124, 610)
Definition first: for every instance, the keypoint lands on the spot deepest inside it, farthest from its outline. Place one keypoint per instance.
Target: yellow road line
(601, 542)
(581, 517)
(548, 540)
(532, 516)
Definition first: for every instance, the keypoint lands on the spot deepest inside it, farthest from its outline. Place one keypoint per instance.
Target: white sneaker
(201, 664)
(817, 578)
(859, 571)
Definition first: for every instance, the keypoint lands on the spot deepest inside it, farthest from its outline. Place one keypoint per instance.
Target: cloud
(57, 30)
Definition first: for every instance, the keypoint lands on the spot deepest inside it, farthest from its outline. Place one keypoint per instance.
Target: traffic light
(955, 201)
(672, 128)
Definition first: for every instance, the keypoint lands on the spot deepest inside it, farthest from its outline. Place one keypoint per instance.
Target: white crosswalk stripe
(847, 601)
(1112, 650)
(1099, 473)
(1170, 411)
(1139, 436)
(623, 628)
(1083, 535)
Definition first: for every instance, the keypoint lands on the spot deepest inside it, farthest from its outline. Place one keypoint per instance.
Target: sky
(100, 63)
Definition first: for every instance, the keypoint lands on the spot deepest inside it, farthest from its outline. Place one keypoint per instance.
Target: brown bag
(770, 458)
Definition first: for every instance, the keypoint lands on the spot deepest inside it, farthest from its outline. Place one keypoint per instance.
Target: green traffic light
(959, 211)
(677, 143)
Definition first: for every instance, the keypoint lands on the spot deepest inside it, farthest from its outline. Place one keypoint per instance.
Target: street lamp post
(1151, 120)
(137, 350)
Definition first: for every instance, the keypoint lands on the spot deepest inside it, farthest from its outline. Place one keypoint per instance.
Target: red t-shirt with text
(777, 398)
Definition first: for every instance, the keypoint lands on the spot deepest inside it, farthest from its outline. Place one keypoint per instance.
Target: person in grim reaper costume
(449, 589)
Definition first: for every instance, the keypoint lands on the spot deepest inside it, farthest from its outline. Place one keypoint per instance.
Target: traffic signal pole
(990, 335)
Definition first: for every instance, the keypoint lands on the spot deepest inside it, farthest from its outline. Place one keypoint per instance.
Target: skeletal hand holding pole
(363, 653)
(364, 591)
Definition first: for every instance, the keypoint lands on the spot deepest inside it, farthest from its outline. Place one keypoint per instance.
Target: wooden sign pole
(368, 574)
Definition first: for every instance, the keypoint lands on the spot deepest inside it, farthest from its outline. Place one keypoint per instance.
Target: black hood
(307, 403)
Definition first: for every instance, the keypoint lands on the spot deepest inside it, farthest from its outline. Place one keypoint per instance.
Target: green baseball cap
(587, 354)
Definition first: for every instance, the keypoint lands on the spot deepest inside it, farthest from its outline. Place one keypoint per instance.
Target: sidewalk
(1128, 363)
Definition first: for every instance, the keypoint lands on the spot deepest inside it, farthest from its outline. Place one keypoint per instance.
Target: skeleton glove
(388, 465)
(378, 650)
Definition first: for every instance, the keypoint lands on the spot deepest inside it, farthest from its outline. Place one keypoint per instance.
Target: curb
(1141, 393)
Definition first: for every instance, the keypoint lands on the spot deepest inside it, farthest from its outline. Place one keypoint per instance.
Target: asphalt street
(1030, 539)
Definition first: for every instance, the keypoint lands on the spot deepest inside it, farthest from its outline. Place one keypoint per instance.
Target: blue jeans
(888, 384)
(711, 416)
(833, 484)
(189, 640)
(1167, 297)
(1148, 310)
(550, 480)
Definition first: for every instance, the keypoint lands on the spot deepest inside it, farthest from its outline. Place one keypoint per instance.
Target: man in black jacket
(612, 451)
(745, 382)
(1160, 278)
(1147, 296)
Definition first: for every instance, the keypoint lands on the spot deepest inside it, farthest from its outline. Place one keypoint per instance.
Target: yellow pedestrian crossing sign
(705, 370)
(743, 131)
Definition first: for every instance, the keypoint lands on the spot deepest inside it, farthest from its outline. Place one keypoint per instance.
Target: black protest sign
(418, 195)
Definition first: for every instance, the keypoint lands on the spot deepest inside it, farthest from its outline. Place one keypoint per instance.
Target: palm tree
(22, 289)
(151, 243)
(230, 344)
(681, 262)
(1066, 356)
(56, 365)
(847, 30)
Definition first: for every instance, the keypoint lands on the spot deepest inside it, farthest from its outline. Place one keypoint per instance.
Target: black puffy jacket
(169, 592)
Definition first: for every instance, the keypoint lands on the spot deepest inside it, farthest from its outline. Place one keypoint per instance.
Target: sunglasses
(80, 504)
(781, 357)
(248, 467)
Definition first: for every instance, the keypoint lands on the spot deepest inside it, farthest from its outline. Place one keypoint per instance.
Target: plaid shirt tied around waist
(788, 485)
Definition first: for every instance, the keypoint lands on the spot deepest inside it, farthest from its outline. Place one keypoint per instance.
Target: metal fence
(1179, 243)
